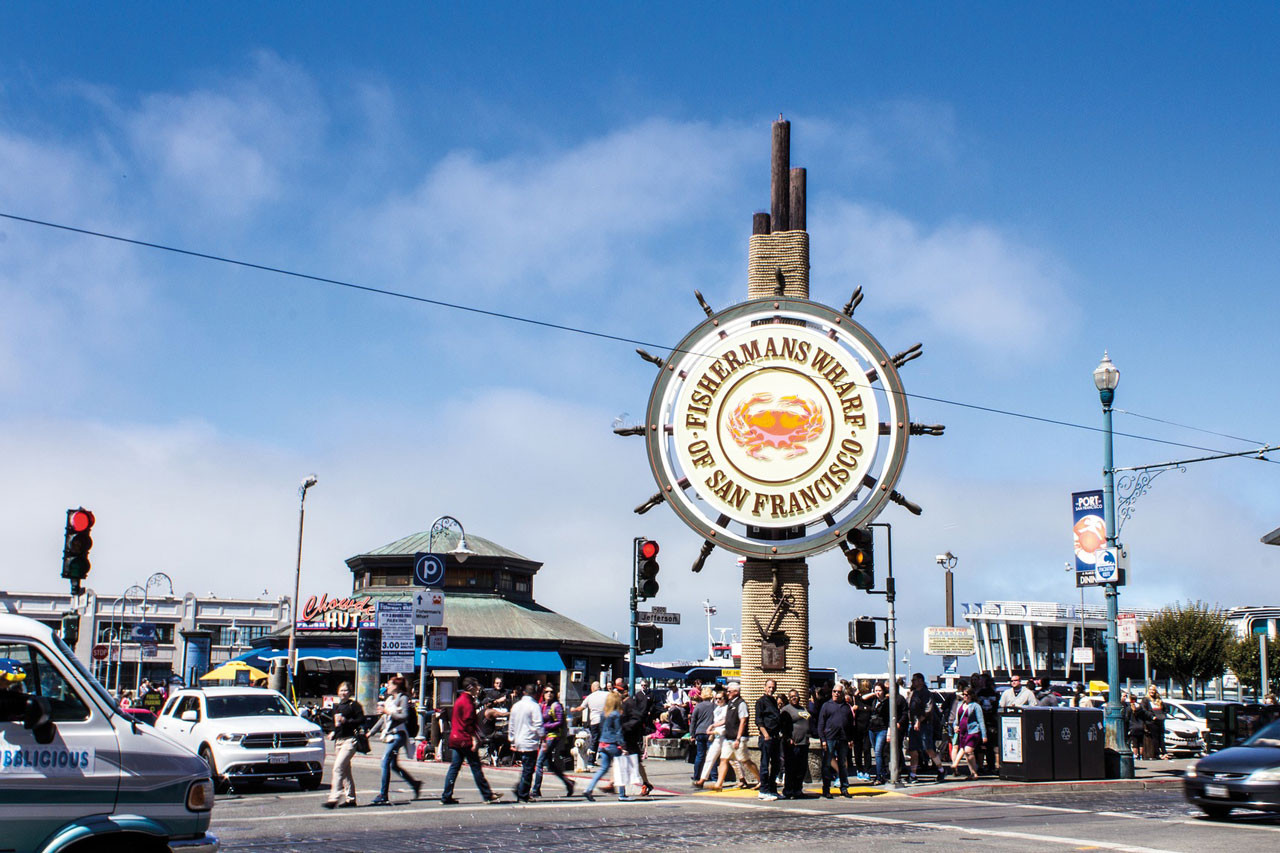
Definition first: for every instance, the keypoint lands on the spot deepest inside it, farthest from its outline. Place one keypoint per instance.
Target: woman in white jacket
(393, 725)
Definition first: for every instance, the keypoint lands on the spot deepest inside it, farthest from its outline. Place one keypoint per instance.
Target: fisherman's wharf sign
(777, 413)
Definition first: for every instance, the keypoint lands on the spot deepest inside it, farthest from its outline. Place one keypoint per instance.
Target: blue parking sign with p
(428, 570)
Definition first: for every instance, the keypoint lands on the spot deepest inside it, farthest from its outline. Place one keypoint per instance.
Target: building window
(107, 632)
(1019, 659)
(237, 635)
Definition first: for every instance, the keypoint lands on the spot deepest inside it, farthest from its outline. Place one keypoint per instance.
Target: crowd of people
(939, 734)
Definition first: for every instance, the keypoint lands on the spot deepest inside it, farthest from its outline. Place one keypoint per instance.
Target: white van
(77, 775)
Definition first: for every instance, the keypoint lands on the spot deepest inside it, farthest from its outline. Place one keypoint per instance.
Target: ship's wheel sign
(778, 414)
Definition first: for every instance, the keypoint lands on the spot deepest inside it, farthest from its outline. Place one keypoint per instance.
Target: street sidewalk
(674, 776)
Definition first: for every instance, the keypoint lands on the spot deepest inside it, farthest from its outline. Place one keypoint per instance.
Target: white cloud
(222, 151)
(968, 281)
(571, 220)
(63, 295)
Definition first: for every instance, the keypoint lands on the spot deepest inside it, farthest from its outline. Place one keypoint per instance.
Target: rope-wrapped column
(785, 251)
(759, 604)
(779, 248)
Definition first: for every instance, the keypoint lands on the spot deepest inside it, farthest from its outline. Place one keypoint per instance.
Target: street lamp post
(1106, 377)
(460, 552)
(155, 580)
(118, 631)
(297, 582)
(948, 562)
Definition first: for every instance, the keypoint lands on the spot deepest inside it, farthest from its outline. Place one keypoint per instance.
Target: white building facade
(185, 628)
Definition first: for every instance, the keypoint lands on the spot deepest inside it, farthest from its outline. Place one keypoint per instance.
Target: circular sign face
(777, 426)
(429, 570)
(1105, 567)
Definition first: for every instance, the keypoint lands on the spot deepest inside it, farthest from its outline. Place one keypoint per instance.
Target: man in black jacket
(835, 726)
(863, 762)
(769, 729)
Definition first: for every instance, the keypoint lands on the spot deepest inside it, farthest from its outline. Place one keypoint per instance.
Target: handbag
(362, 743)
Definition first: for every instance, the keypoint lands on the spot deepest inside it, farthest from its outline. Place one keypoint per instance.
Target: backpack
(411, 722)
(561, 727)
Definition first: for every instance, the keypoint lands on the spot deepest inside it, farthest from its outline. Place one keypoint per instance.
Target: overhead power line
(364, 288)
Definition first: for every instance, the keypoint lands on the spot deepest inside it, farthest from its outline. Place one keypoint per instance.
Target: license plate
(283, 758)
(1216, 791)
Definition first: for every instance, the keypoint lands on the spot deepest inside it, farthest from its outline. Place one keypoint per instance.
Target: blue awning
(491, 660)
(657, 673)
(494, 660)
(262, 657)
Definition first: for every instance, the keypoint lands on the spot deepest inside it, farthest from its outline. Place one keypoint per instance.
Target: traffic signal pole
(890, 594)
(635, 616)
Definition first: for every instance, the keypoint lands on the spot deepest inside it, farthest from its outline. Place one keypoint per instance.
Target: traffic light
(648, 639)
(71, 629)
(75, 548)
(647, 568)
(862, 632)
(862, 560)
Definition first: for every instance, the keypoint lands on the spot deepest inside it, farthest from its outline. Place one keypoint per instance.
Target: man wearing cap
(835, 727)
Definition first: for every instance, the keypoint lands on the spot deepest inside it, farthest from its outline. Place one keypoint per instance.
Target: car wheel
(220, 783)
(1216, 812)
(310, 782)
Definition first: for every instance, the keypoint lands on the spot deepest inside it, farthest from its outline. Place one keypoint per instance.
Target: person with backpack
(394, 725)
(348, 719)
(634, 720)
(878, 730)
(970, 734)
(464, 742)
(555, 725)
(525, 731)
(922, 714)
(987, 697)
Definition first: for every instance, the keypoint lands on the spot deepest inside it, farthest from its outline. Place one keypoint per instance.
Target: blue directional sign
(428, 570)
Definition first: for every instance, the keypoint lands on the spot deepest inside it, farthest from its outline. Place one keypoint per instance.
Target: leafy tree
(1189, 642)
(1244, 660)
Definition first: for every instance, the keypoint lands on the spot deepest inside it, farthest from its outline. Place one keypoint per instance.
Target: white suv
(246, 735)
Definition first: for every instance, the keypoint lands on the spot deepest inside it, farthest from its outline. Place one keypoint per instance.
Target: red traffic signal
(647, 567)
(76, 545)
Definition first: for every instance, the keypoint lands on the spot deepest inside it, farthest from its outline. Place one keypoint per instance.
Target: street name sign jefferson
(657, 616)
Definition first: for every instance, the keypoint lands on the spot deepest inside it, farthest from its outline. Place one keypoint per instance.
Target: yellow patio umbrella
(227, 672)
(1094, 686)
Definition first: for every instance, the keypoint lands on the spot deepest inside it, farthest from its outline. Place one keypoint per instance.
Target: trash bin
(1249, 719)
(1026, 744)
(1066, 743)
(1093, 758)
(1221, 719)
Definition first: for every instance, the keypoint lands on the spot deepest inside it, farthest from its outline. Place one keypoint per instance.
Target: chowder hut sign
(777, 413)
(337, 614)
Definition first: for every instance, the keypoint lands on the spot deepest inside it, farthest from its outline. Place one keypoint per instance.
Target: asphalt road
(281, 818)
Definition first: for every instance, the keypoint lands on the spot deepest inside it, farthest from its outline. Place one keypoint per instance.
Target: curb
(1051, 787)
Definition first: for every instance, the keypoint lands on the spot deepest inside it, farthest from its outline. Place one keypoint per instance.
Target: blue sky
(1017, 188)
